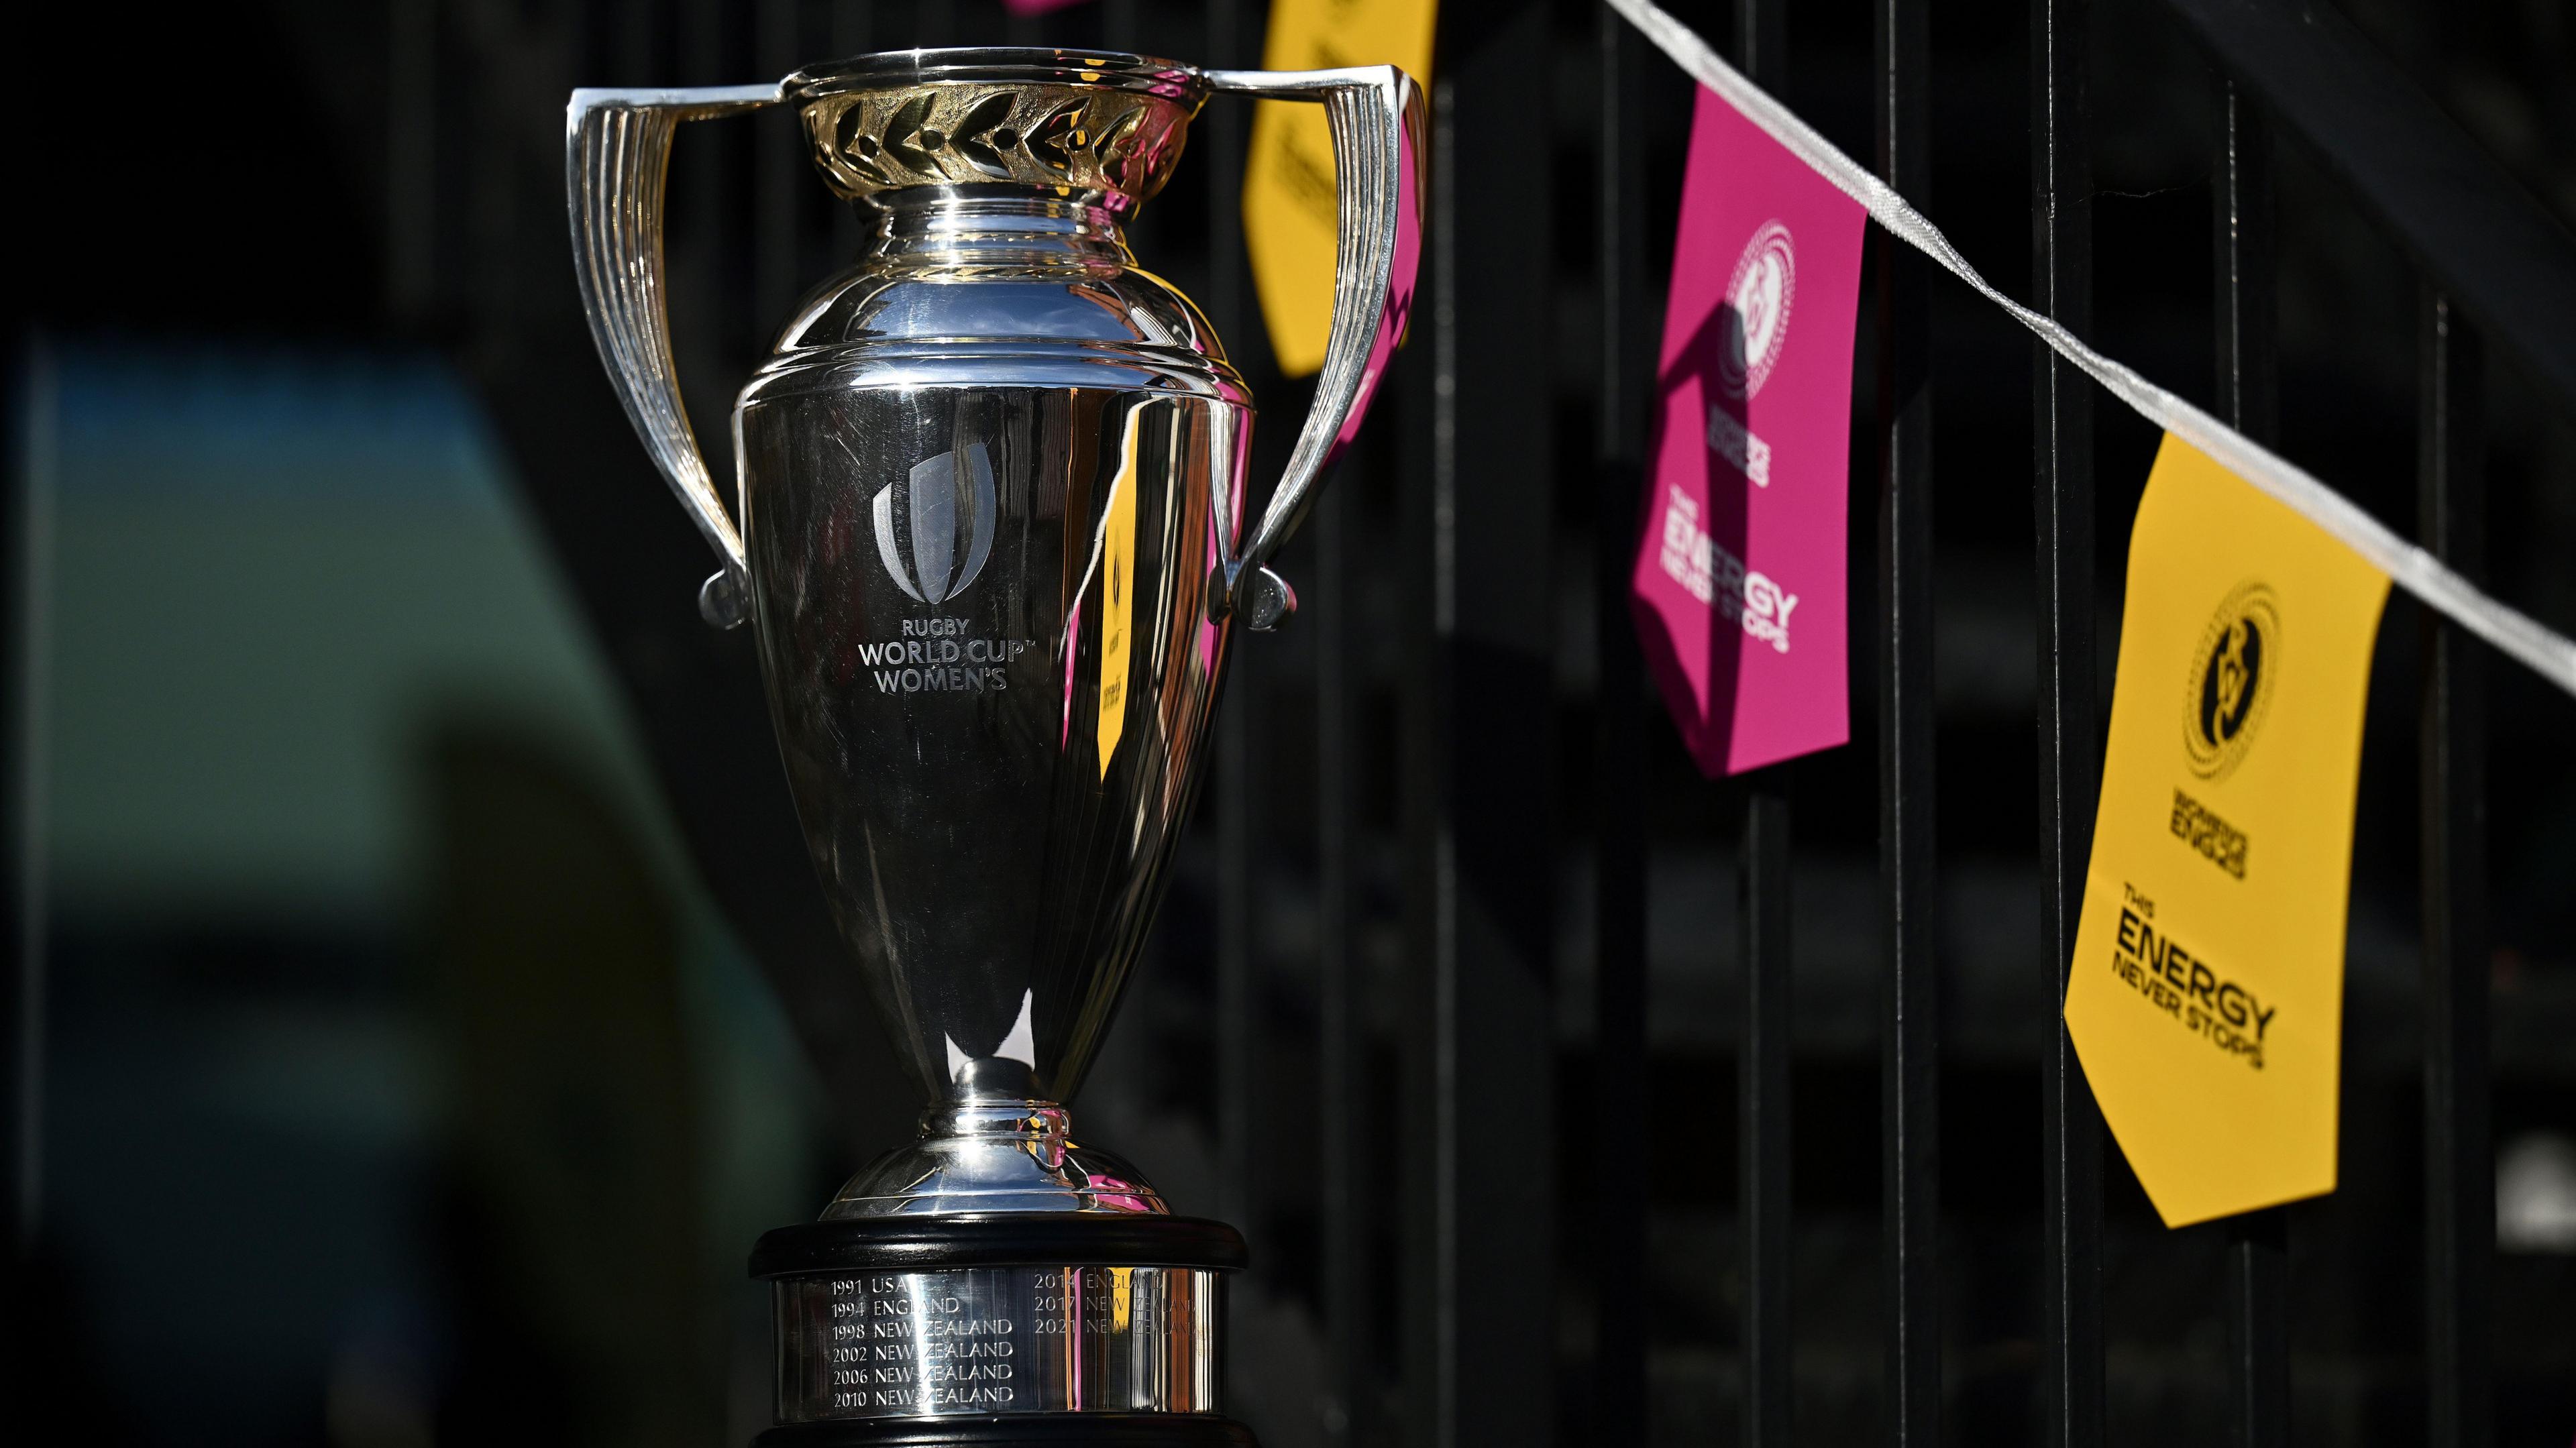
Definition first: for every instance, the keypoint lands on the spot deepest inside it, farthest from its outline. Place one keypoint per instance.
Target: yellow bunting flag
(2206, 994)
(1291, 221)
(1117, 593)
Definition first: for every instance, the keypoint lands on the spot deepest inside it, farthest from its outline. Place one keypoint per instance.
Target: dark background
(427, 1000)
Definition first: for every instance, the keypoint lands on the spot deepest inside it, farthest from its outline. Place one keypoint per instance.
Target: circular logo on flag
(1759, 293)
(2231, 680)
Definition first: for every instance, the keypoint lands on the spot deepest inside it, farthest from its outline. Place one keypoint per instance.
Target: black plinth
(1050, 1328)
(1003, 1239)
(1010, 1430)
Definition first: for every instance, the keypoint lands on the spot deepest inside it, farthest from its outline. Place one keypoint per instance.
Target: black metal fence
(1565, 1096)
(1484, 1010)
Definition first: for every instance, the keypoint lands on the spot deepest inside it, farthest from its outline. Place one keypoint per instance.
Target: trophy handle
(1376, 116)
(617, 155)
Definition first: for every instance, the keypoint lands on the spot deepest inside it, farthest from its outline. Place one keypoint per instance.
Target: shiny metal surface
(1005, 1156)
(990, 492)
(1377, 119)
(999, 1340)
(967, 451)
(617, 155)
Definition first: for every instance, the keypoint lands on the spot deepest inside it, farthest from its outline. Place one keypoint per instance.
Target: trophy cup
(990, 500)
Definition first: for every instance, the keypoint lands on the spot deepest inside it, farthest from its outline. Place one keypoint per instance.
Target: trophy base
(1000, 1328)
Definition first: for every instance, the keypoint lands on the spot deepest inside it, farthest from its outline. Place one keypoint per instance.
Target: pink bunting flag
(1739, 589)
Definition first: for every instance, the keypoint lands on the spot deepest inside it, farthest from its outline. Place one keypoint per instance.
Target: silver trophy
(988, 527)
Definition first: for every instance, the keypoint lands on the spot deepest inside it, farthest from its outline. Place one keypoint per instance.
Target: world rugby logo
(1759, 292)
(948, 508)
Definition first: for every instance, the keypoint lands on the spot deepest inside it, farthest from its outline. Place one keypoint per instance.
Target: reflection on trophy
(990, 534)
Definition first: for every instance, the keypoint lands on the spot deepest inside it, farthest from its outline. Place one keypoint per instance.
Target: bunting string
(2548, 653)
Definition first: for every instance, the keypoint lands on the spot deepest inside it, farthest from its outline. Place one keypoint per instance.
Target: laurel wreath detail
(953, 133)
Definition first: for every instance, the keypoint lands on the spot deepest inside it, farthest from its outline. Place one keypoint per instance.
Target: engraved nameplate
(998, 1340)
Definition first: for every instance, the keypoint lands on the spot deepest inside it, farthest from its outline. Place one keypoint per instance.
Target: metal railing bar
(29, 496)
(778, 180)
(411, 159)
(2459, 1188)
(2258, 1329)
(2506, 263)
(851, 32)
(1619, 1133)
(1341, 1056)
(2248, 377)
(1235, 1004)
(1762, 1086)
(1762, 43)
(1763, 880)
(710, 241)
(2070, 739)
(1237, 1032)
(1909, 1082)
(1121, 26)
(2247, 300)
(1223, 130)
(1433, 1374)
(1501, 1114)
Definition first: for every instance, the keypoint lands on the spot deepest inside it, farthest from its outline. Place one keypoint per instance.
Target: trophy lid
(1001, 65)
(1095, 123)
